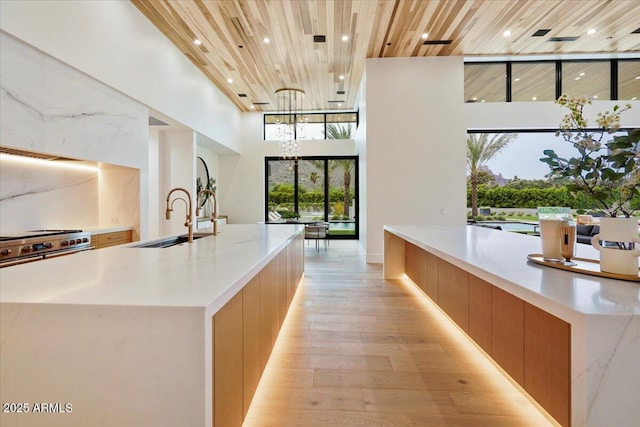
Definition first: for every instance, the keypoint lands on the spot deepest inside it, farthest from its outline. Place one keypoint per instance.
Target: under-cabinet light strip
(46, 163)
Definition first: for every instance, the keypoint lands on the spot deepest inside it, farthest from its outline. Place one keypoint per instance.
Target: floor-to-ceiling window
(319, 188)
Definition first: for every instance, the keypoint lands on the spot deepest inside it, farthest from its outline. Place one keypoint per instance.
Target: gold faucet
(214, 207)
(188, 223)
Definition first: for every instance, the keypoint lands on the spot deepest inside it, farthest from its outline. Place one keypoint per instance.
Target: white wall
(537, 115)
(361, 146)
(241, 178)
(154, 197)
(177, 169)
(415, 145)
(113, 42)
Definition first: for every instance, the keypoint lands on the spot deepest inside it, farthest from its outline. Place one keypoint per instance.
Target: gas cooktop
(34, 233)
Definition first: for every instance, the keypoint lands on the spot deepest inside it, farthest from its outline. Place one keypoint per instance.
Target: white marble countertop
(501, 258)
(206, 273)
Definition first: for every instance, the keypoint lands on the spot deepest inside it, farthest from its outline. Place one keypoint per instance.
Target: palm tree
(347, 166)
(482, 147)
(338, 131)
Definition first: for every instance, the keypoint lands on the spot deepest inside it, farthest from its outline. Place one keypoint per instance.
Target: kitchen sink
(169, 241)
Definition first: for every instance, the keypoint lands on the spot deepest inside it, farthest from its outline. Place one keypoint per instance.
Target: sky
(521, 157)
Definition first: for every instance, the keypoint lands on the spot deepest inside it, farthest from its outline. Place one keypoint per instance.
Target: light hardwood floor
(356, 349)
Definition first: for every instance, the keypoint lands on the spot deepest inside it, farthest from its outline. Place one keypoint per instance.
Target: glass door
(311, 189)
(342, 197)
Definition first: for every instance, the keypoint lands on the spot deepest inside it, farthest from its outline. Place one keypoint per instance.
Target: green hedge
(283, 193)
(504, 197)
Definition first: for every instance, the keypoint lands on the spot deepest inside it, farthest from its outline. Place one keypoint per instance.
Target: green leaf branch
(606, 171)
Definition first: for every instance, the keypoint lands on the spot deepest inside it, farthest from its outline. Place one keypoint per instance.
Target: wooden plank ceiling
(234, 55)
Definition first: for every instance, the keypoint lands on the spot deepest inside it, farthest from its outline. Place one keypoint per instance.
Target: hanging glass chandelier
(290, 122)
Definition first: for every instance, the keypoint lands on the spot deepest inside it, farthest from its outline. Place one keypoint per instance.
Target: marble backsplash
(36, 196)
(48, 107)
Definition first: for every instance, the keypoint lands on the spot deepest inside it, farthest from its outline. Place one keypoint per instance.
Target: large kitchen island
(570, 340)
(129, 336)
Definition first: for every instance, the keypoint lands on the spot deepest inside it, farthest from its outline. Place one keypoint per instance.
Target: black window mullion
(558, 79)
(295, 186)
(508, 78)
(326, 185)
(266, 189)
(614, 79)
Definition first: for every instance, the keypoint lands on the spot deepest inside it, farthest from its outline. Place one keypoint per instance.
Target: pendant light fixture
(290, 105)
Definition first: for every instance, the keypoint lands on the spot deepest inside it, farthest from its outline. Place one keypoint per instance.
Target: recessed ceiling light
(634, 98)
(341, 77)
(591, 31)
(507, 33)
(483, 100)
(474, 98)
(637, 78)
(535, 98)
(253, 107)
(516, 80)
(197, 42)
(345, 38)
(577, 78)
(595, 96)
(266, 40)
(425, 36)
(582, 74)
(229, 80)
(339, 105)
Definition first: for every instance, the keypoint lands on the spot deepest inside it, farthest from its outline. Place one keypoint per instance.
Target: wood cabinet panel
(274, 267)
(228, 364)
(412, 262)
(282, 288)
(507, 333)
(480, 312)
(547, 362)
(250, 340)
(105, 240)
(291, 272)
(453, 293)
(422, 261)
(267, 314)
(432, 277)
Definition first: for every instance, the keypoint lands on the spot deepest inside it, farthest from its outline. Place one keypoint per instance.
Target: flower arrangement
(607, 172)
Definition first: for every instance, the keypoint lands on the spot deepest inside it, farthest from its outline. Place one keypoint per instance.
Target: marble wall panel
(48, 107)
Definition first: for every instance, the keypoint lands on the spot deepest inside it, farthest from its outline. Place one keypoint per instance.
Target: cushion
(584, 230)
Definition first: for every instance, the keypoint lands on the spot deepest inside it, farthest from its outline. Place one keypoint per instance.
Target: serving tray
(584, 266)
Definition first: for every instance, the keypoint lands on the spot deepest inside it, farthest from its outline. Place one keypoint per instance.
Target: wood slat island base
(546, 328)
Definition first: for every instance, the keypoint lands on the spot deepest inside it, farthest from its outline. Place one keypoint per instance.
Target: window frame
(323, 113)
(613, 85)
(326, 159)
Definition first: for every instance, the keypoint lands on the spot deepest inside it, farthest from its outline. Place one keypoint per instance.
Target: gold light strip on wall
(30, 161)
